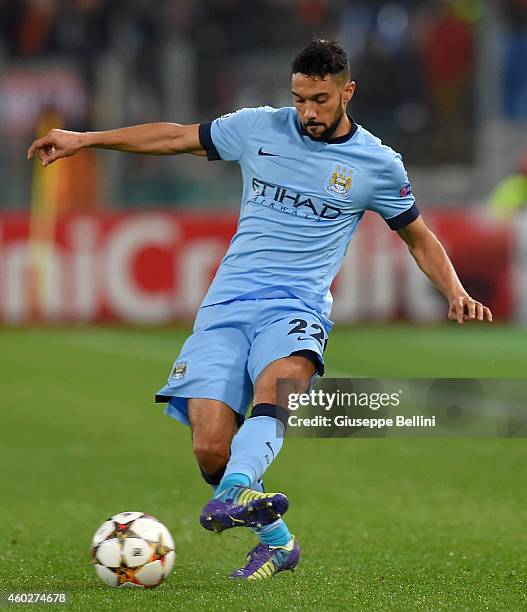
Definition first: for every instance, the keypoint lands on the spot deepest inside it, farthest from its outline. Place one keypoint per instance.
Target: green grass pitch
(402, 524)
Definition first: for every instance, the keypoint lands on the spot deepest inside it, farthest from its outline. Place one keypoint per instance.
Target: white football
(133, 549)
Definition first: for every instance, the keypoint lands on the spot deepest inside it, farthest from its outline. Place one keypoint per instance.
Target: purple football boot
(242, 507)
(265, 561)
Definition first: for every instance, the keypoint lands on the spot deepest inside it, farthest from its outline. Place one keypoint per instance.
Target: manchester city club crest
(179, 370)
(339, 181)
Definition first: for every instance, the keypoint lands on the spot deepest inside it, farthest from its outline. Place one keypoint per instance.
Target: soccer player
(309, 173)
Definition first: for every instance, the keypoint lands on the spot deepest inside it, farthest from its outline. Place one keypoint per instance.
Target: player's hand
(54, 145)
(464, 308)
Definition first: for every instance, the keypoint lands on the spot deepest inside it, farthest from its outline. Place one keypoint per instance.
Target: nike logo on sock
(270, 447)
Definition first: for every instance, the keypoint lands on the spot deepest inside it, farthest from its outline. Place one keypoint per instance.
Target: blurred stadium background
(137, 238)
(108, 237)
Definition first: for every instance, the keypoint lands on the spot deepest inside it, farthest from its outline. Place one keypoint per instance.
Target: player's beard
(327, 134)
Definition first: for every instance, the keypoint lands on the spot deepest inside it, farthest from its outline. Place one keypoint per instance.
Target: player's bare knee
(211, 454)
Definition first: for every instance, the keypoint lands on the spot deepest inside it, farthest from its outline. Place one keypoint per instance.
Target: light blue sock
(229, 481)
(275, 534)
(257, 486)
(254, 448)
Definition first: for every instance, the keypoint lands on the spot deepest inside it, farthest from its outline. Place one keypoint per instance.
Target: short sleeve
(392, 196)
(225, 137)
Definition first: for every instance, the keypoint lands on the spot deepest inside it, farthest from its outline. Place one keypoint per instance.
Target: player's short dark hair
(320, 58)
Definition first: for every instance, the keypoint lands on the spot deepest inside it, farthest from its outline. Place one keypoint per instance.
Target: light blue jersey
(302, 201)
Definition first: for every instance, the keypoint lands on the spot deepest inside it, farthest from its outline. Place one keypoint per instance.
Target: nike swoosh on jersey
(262, 152)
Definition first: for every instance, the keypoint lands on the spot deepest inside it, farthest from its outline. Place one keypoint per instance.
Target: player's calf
(213, 426)
(211, 455)
(213, 479)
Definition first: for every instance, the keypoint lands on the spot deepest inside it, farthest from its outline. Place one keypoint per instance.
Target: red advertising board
(155, 267)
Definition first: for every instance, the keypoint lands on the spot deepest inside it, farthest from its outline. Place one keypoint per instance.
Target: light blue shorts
(232, 343)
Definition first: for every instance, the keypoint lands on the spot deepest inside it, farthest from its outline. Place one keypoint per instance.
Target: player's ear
(349, 90)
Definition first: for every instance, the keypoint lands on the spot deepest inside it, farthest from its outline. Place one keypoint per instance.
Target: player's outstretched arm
(431, 257)
(150, 138)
